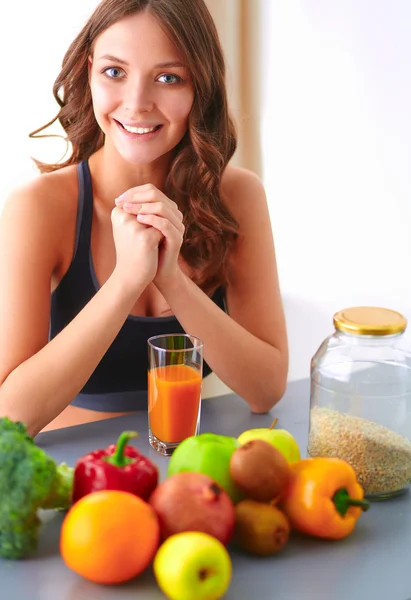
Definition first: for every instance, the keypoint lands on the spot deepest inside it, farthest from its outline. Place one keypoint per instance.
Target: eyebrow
(120, 61)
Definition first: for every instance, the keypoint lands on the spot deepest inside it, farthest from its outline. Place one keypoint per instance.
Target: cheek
(104, 98)
(179, 107)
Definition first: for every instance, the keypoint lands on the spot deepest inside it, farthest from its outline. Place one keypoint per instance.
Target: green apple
(210, 454)
(279, 438)
(191, 565)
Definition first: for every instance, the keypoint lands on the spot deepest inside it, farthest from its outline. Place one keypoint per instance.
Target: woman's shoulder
(241, 189)
(43, 211)
(51, 197)
(40, 217)
(50, 188)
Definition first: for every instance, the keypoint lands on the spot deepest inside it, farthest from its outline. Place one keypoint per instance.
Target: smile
(139, 130)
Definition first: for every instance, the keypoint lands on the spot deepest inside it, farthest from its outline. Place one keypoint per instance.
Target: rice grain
(380, 457)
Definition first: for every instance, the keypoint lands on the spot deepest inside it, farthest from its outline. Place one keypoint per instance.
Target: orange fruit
(109, 536)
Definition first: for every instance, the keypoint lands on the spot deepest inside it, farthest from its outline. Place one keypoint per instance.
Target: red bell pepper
(118, 467)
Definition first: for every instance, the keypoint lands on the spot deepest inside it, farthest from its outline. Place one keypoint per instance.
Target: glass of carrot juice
(175, 373)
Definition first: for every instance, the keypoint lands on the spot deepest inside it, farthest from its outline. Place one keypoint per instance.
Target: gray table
(373, 563)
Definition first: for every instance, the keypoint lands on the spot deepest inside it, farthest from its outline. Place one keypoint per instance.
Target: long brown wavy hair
(209, 143)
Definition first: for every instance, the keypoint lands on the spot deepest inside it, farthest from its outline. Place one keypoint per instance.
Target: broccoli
(9, 425)
(29, 480)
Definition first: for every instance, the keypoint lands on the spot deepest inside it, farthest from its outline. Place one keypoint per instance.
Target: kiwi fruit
(260, 470)
(260, 528)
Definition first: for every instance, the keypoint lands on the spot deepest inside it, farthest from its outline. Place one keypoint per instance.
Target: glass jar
(360, 401)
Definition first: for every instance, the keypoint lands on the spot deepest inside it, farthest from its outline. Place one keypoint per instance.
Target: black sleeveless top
(119, 382)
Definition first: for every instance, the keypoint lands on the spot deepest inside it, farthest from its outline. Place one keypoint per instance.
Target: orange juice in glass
(174, 389)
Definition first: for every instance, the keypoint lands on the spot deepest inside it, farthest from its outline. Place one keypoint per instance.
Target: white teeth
(139, 129)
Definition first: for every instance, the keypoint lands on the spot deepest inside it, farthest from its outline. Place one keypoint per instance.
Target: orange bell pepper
(323, 498)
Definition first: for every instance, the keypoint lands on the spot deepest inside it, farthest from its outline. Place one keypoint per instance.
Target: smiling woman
(145, 229)
(128, 78)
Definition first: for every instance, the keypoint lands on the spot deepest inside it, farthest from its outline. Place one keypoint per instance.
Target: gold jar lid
(370, 320)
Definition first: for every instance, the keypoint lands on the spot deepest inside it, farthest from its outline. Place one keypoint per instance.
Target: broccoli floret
(7, 424)
(60, 496)
(29, 480)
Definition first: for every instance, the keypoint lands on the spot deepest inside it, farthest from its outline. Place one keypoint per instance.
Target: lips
(139, 129)
(153, 132)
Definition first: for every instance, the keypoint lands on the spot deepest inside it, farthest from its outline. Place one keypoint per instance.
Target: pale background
(335, 125)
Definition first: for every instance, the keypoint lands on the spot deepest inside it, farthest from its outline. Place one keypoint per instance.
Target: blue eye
(169, 78)
(113, 72)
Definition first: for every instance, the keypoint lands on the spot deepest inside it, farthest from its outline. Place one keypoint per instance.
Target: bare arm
(39, 379)
(248, 348)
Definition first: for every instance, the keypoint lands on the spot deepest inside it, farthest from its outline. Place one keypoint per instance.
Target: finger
(167, 209)
(119, 216)
(155, 208)
(170, 231)
(146, 193)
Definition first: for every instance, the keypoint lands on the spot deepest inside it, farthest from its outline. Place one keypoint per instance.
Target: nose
(139, 97)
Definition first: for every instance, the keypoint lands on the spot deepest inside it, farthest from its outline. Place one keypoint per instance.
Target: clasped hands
(154, 209)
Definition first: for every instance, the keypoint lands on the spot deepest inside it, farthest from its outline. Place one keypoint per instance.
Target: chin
(137, 160)
(144, 158)
(144, 153)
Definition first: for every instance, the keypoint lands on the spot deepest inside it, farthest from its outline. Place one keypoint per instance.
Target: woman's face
(142, 92)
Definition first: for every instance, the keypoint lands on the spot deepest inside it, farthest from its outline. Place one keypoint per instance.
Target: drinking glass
(175, 374)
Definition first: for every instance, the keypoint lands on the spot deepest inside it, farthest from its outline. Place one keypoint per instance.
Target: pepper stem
(118, 459)
(343, 501)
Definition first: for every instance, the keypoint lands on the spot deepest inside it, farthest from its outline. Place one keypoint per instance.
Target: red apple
(190, 501)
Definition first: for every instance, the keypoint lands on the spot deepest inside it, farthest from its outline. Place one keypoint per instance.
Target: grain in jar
(360, 402)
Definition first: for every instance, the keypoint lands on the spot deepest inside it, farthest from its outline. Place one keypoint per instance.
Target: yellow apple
(279, 438)
(191, 565)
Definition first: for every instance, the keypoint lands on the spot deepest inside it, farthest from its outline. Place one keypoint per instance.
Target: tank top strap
(85, 211)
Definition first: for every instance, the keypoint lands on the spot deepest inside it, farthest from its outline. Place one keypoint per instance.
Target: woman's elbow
(270, 393)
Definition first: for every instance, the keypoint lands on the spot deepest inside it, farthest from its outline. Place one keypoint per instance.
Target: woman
(144, 230)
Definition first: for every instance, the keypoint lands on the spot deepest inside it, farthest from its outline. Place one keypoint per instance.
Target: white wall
(337, 159)
(336, 139)
(33, 39)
